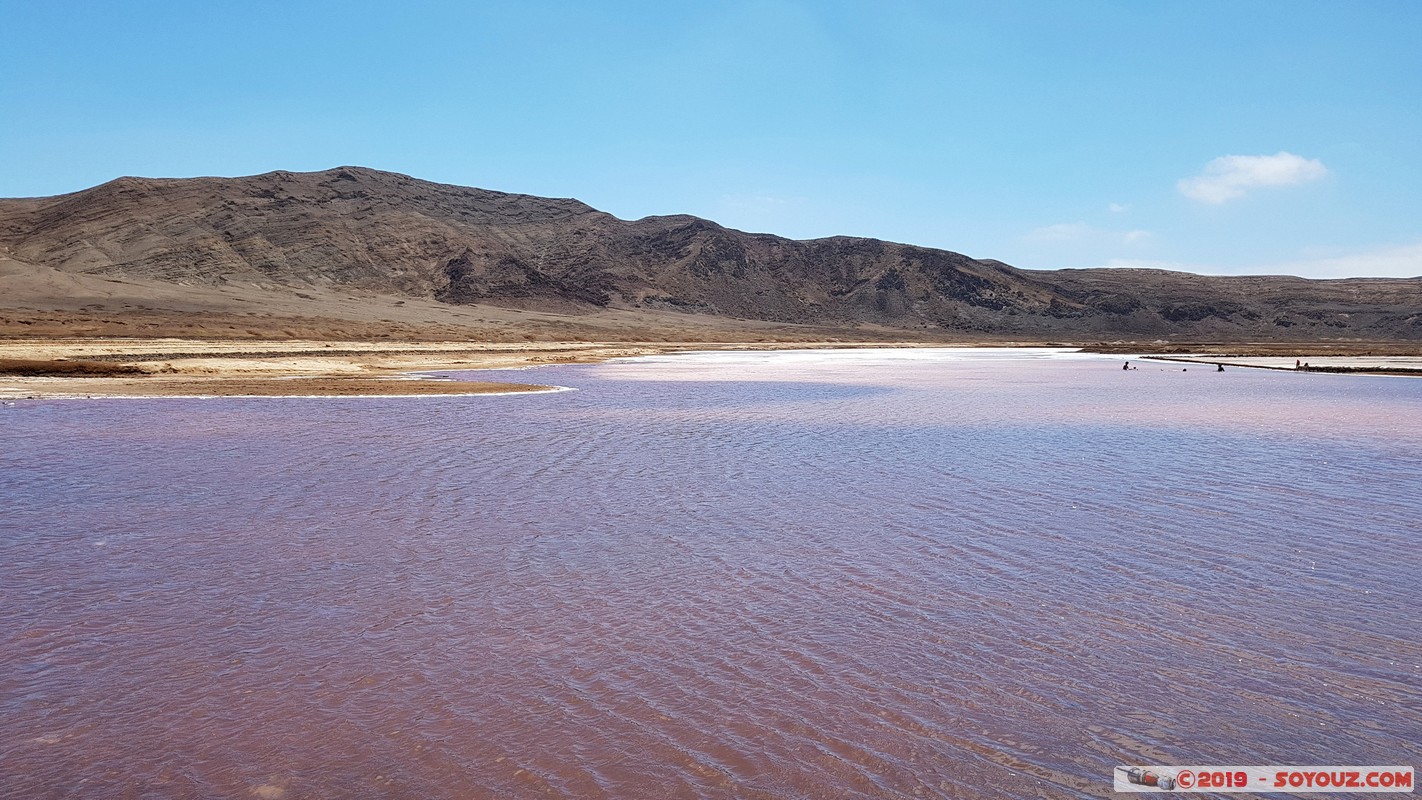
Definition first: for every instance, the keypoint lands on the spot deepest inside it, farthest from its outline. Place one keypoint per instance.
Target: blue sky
(1220, 137)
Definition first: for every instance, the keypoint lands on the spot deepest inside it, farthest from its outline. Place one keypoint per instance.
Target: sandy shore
(1371, 365)
(176, 367)
(303, 368)
(227, 368)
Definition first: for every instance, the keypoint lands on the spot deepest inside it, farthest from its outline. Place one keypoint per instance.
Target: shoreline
(193, 368)
(1387, 366)
(210, 368)
(533, 390)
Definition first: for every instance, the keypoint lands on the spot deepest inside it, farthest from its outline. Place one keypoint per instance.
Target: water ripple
(784, 577)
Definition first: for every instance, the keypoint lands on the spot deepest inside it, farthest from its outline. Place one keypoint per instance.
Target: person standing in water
(1127, 365)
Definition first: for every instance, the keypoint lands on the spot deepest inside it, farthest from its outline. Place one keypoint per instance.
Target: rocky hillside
(358, 232)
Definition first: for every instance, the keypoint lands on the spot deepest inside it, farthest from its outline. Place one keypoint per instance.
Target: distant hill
(273, 250)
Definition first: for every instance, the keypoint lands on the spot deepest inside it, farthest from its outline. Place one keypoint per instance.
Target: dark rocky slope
(356, 230)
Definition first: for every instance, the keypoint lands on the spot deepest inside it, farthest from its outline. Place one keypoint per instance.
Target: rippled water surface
(758, 575)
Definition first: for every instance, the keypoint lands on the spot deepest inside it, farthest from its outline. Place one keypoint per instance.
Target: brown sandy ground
(227, 387)
(1363, 365)
(1352, 357)
(194, 339)
(45, 367)
(100, 367)
(1351, 348)
(252, 338)
(181, 367)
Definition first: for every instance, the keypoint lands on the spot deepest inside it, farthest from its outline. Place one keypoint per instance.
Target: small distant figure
(1127, 365)
(1219, 368)
(1296, 363)
(1187, 369)
(1305, 365)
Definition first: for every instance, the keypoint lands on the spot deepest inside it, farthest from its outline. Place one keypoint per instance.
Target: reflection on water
(795, 575)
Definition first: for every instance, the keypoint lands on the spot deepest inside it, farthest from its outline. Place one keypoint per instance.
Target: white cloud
(1118, 208)
(1230, 177)
(1061, 232)
(1403, 261)
(754, 202)
(1399, 261)
(1082, 233)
